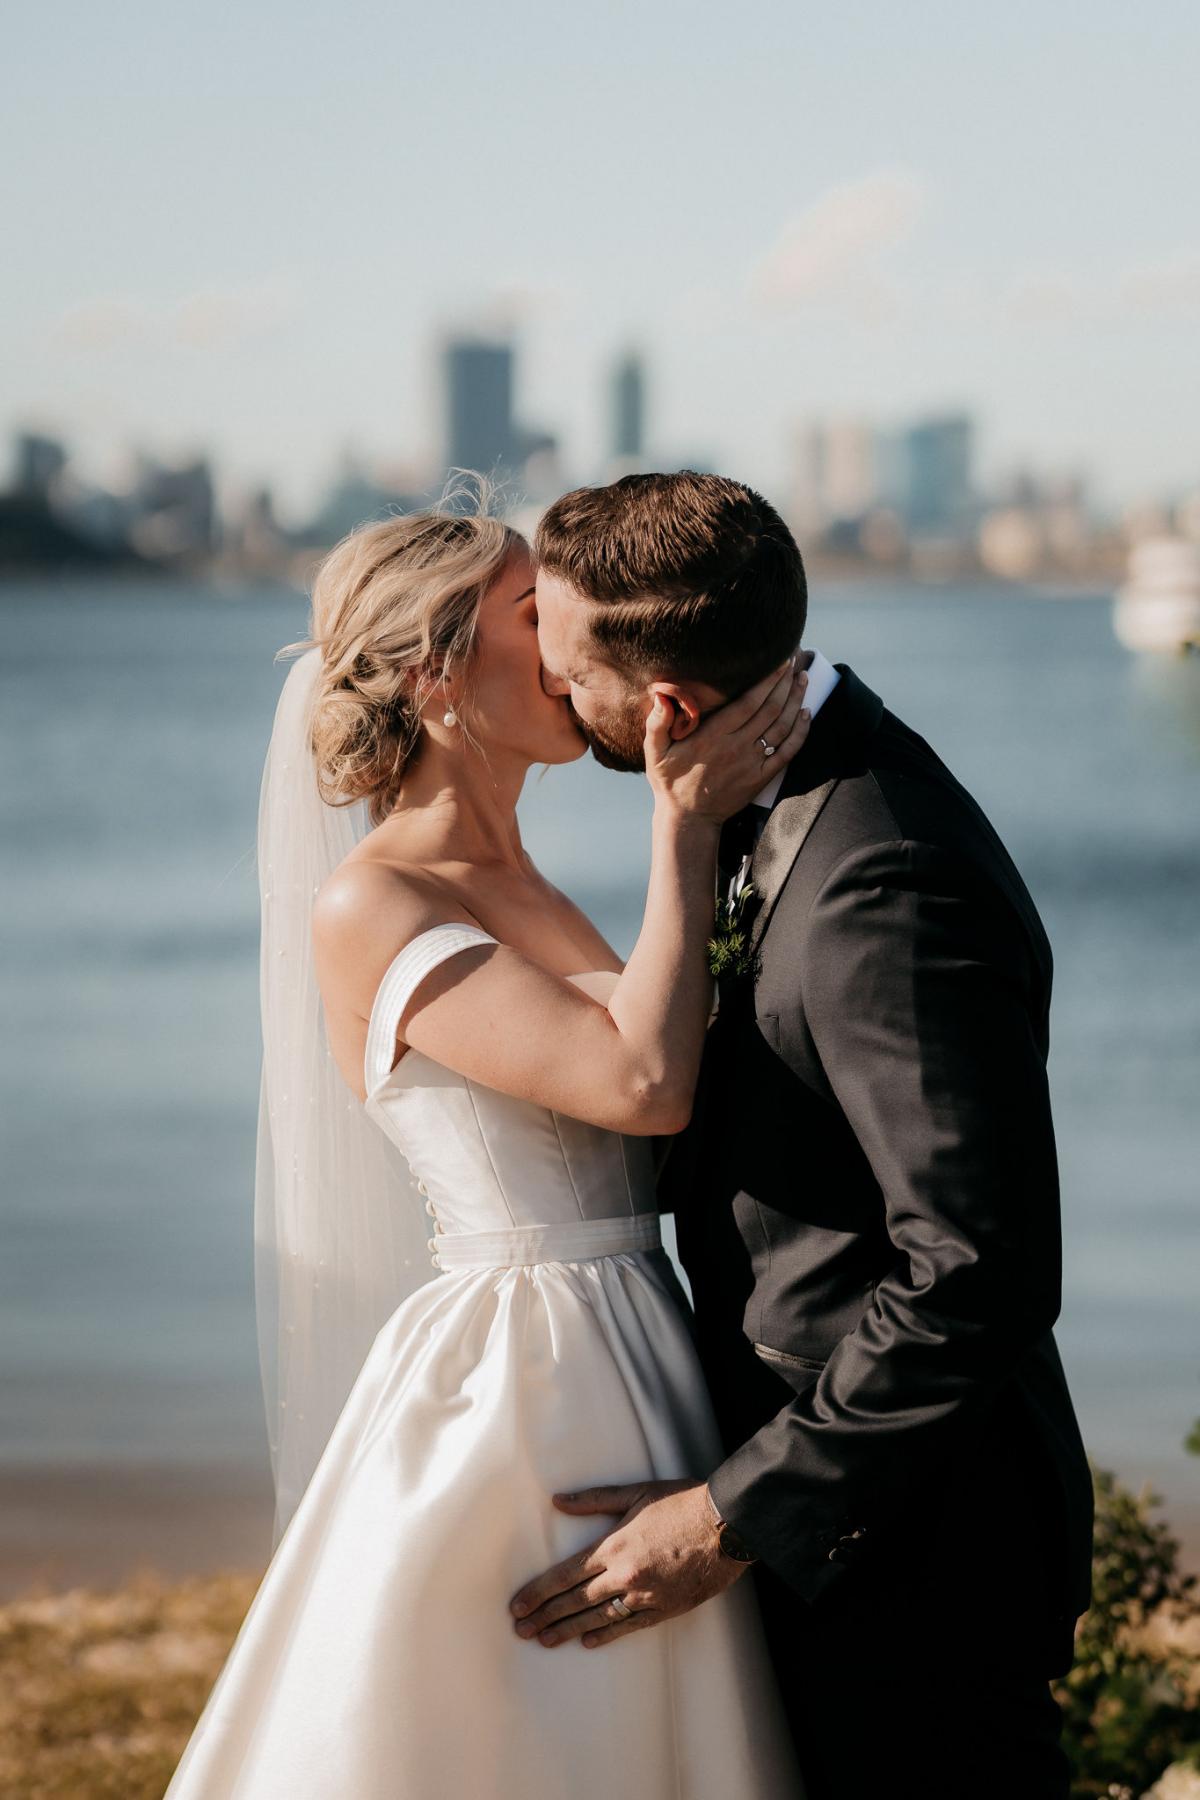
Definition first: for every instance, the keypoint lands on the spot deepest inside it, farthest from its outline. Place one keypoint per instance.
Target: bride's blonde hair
(394, 610)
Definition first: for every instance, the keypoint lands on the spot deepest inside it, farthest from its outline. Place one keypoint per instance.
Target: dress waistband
(578, 1240)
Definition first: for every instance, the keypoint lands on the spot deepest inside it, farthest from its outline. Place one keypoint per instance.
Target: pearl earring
(449, 717)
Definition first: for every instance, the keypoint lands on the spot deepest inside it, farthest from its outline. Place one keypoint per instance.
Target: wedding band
(619, 1607)
(767, 749)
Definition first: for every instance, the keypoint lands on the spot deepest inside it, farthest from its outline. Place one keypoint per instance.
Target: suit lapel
(839, 733)
(792, 818)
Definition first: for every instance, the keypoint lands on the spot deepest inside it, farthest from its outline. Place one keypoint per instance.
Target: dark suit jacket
(867, 1196)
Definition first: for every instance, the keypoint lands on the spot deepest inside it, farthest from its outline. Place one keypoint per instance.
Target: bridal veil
(339, 1234)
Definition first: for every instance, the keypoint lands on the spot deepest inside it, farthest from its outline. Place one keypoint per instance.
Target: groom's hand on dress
(661, 1560)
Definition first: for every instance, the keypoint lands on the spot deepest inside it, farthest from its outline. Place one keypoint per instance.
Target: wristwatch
(728, 1541)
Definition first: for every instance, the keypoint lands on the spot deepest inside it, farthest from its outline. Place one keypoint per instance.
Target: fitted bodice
(552, 1351)
(484, 1161)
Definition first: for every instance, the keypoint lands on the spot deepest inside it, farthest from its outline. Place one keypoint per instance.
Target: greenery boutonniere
(729, 949)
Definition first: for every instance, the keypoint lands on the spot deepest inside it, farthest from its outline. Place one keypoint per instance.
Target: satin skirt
(378, 1660)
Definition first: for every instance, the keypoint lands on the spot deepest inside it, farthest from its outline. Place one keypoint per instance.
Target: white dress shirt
(822, 679)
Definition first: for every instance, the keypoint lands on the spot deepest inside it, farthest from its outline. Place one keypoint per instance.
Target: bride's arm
(499, 1018)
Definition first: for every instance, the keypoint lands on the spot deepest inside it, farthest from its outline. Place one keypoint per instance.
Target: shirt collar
(822, 679)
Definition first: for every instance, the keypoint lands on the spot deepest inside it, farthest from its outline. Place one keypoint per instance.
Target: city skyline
(860, 496)
(248, 232)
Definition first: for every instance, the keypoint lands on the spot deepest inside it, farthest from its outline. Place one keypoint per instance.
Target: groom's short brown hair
(695, 576)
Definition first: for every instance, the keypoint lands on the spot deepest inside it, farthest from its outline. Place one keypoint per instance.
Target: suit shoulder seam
(901, 845)
(886, 803)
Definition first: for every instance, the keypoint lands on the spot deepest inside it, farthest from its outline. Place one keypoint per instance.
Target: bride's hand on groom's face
(661, 1560)
(719, 767)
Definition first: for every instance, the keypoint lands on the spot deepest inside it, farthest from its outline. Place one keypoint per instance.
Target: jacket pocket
(787, 1359)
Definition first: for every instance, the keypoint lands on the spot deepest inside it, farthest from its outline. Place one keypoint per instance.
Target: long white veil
(339, 1232)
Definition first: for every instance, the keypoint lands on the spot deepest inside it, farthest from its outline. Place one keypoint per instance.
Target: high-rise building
(849, 471)
(40, 461)
(628, 409)
(836, 478)
(478, 390)
(173, 511)
(937, 473)
(806, 507)
(357, 495)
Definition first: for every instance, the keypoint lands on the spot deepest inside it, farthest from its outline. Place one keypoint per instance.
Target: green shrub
(1131, 1704)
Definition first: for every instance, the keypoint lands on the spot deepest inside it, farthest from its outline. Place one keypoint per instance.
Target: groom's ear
(688, 701)
(683, 705)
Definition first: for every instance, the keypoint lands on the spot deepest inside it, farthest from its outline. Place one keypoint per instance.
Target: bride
(430, 1000)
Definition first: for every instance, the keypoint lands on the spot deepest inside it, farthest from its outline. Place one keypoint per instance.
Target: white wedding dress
(378, 1660)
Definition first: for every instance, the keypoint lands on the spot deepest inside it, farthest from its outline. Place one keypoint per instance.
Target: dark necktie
(739, 835)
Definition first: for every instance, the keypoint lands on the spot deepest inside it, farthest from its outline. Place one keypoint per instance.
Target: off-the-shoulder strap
(404, 975)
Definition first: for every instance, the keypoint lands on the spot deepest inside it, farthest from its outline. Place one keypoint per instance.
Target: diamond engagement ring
(767, 749)
(619, 1607)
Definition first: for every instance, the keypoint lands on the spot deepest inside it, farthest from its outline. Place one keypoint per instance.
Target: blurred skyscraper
(357, 494)
(172, 511)
(935, 474)
(837, 477)
(478, 393)
(628, 409)
(39, 463)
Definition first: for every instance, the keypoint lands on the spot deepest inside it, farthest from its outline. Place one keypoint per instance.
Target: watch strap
(730, 1543)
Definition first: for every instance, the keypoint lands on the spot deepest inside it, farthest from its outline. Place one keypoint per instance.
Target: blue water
(134, 719)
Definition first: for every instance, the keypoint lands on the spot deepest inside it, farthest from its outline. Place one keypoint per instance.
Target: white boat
(1159, 606)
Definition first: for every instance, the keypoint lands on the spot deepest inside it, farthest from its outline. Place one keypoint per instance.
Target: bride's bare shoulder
(351, 899)
(364, 915)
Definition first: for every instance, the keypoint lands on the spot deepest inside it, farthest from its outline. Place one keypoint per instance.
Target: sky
(242, 229)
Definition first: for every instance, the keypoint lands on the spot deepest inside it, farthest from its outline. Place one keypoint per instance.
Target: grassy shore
(99, 1691)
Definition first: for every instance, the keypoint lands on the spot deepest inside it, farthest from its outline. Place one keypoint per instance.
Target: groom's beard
(618, 741)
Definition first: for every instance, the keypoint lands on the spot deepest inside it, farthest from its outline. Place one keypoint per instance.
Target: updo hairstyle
(394, 612)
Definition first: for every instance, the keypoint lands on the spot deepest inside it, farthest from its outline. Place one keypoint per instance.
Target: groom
(866, 1198)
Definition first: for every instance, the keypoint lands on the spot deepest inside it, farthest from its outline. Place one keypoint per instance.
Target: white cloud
(214, 318)
(102, 324)
(1161, 289)
(219, 317)
(837, 246)
(838, 253)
